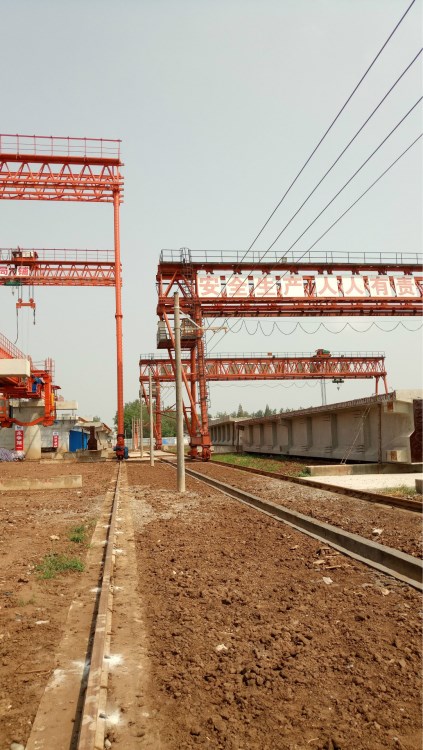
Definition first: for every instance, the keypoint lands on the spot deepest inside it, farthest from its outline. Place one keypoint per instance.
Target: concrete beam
(15, 368)
(53, 483)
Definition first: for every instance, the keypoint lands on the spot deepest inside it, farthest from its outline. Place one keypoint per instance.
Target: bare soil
(394, 527)
(33, 611)
(259, 638)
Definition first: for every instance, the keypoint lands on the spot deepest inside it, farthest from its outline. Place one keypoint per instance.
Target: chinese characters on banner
(297, 286)
(21, 272)
(19, 438)
(55, 439)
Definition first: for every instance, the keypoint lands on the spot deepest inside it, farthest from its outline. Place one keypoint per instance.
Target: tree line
(266, 412)
(132, 411)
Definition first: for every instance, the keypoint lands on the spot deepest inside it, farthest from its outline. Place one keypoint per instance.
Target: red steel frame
(57, 267)
(68, 169)
(27, 388)
(235, 367)
(181, 270)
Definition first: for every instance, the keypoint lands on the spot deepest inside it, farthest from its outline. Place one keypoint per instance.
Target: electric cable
(241, 323)
(363, 194)
(330, 127)
(391, 132)
(343, 152)
(350, 207)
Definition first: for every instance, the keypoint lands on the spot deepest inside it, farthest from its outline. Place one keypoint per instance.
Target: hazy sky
(218, 103)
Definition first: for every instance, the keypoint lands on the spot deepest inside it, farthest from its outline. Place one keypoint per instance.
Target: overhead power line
(344, 213)
(344, 150)
(324, 136)
(364, 193)
(391, 132)
(330, 126)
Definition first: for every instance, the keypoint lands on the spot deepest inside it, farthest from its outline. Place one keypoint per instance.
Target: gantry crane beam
(233, 367)
(59, 168)
(264, 367)
(287, 287)
(225, 284)
(51, 168)
(36, 267)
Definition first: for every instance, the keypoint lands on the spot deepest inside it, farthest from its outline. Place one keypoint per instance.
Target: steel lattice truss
(233, 367)
(59, 169)
(254, 367)
(289, 287)
(35, 267)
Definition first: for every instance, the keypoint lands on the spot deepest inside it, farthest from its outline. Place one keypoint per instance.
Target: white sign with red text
(270, 286)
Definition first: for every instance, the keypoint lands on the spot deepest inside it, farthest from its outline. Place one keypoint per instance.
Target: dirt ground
(394, 527)
(33, 611)
(259, 638)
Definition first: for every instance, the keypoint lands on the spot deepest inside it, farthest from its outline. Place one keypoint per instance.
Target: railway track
(400, 565)
(78, 683)
(87, 689)
(371, 497)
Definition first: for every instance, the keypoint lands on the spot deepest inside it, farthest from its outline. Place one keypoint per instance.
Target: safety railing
(57, 254)
(276, 355)
(42, 145)
(184, 255)
(7, 347)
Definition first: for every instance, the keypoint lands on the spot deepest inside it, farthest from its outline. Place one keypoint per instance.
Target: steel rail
(390, 561)
(370, 497)
(93, 719)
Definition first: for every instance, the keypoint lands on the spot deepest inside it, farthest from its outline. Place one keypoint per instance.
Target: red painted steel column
(202, 387)
(158, 429)
(120, 446)
(193, 452)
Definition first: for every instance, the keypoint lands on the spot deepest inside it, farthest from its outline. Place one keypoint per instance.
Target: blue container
(78, 440)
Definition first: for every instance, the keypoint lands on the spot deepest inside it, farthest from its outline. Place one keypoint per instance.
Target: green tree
(132, 411)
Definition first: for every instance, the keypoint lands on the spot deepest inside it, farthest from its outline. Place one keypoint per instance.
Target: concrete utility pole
(323, 391)
(150, 388)
(141, 429)
(180, 458)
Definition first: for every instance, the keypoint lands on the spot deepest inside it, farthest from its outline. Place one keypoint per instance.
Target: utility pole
(150, 388)
(180, 458)
(141, 429)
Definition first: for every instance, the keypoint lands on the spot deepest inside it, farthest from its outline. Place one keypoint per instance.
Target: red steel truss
(39, 385)
(224, 284)
(315, 285)
(34, 167)
(52, 168)
(35, 267)
(253, 367)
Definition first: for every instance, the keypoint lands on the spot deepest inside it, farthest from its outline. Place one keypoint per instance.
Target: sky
(218, 104)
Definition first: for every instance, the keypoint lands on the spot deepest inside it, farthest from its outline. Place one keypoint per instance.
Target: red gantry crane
(51, 168)
(226, 284)
(37, 385)
(258, 366)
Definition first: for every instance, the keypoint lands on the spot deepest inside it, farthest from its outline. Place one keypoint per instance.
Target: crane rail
(387, 560)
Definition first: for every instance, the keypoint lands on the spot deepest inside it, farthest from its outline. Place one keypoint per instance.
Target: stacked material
(7, 455)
